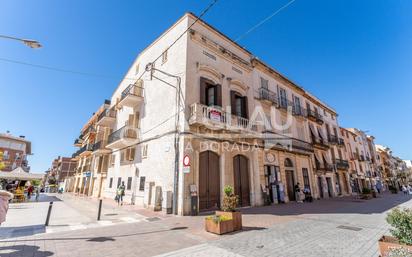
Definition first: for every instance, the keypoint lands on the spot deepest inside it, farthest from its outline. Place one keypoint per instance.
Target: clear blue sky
(355, 55)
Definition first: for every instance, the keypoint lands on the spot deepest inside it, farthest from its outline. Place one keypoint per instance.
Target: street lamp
(28, 42)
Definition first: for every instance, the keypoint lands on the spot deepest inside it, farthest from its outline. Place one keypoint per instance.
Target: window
(141, 184)
(306, 180)
(144, 151)
(296, 104)
(110, 182)
(283, 98)
(127, 155)
(264, 83)
(288, 163)
(211, 96)
(119, 181)
(164, 56)
(129, 183)
(238, 104)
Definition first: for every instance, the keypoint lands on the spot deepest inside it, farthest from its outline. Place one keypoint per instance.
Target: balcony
(132, 96)
(324, 166)
(107, 118)
(276, 141)
(361, 158)
(85, 150)
(315, 116)
(101, 147)
(368, 158)
(335, 140)
(217, 119)
(301, 146)
(78, 142)
(267, 95)
(342, 164)
(123, 137)
(320, 143)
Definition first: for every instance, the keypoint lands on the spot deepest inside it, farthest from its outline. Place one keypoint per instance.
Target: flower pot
(235, 216)
(387, 243)
(219, 228)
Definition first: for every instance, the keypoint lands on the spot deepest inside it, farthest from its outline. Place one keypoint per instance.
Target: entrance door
(320, 187)
(241, 178)
(209, 181)
(273, 183)
(290, 184)
(330, 187)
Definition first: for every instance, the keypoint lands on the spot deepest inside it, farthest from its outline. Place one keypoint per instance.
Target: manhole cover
(153, 219)
(349, 228)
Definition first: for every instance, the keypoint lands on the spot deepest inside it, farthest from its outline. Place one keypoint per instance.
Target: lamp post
(28, 42)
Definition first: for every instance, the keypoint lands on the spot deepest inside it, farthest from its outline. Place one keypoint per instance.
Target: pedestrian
(4, 204)
(409, 189)
(37, 193)
(29, 191)
(120, 194)
(404, 190)
(379, 187)
(297, 193)
(337, 188)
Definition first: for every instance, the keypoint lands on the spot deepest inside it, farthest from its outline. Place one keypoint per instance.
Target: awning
(20, 174)
(326, 158)
(312, 130)
(318, 159)
(321, 134)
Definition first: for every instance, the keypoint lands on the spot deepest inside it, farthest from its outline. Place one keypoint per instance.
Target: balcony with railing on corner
(342, 164)
(319, 142)
(123, 137)
(106, 118)
(78, 142)
(315, 116)
(100, 147)
(216, 118)
(131, 96)
(267, 95)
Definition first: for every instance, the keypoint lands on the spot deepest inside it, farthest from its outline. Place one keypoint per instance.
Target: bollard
(100, 209)
(49, 213)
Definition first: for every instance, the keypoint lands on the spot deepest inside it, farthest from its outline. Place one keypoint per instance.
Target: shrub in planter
(399, 252)
(218, 224)
(230, 202)
(393, 189)
(401, 222)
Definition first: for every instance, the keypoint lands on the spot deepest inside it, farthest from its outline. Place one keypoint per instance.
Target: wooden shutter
(245, 110)
(218, 95)
(233, 101)
(132, 152)
(203, 86)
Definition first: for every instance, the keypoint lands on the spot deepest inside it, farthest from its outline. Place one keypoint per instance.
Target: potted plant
(366, 193)
(393, 189)
(230, 202)
(218, 224)
(401, 222)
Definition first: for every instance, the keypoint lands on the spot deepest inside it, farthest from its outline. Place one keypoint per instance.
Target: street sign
(186, 161)
(186, 169)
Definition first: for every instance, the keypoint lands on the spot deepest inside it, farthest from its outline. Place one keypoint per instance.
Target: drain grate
(349, 228)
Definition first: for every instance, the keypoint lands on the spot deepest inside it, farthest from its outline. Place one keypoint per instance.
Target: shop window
(141, 184)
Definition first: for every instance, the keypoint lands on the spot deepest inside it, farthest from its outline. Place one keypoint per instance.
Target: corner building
(239, 121)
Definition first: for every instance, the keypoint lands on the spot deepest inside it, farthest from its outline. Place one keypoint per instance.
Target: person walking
(379, 187)
(120, 194)
(297, 193)
(4, 204)
(404, 190)
(29, 191)
(37, 193)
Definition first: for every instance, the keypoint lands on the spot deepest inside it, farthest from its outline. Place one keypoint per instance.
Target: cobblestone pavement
(336, 227)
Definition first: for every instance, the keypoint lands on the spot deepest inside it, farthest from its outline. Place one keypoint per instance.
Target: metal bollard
(100, 209)
(49, 213)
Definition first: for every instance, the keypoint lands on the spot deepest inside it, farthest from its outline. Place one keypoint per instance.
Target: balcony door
(239, 104)
(283, 97)
(210, 93)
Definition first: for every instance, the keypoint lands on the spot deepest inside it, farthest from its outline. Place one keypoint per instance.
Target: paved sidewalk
(335, 227)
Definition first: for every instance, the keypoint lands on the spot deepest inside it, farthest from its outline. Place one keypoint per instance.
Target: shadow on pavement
(95, 239)
(10, 232)
(23, 250)
(342, 205)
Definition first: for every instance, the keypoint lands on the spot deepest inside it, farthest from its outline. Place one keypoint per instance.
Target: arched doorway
(209, 181)
(241, 179)
(290, 179)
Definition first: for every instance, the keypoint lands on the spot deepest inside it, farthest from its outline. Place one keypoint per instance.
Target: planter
(219, 228)
(366, 196)
(387, 243)
(235, 216)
